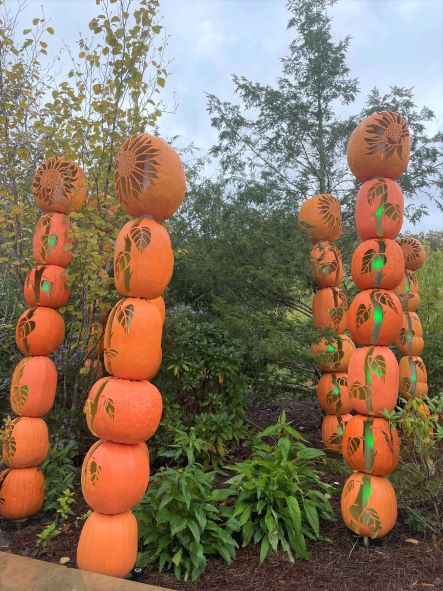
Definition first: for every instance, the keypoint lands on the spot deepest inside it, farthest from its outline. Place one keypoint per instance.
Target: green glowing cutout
(379, 211)
(409, 336)
(378, 315)
(330, 348)
(336, 389)
(407, 288)
(377, 263)
(52, 240)
(325, 269)
(46, 286)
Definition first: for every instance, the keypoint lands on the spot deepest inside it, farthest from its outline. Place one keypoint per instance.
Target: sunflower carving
(412, 250)
(56, 181)
(387, 135)
(330, 212)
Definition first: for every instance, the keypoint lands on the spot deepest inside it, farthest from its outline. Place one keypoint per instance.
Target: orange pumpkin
(377, 263)
(115, 476)
(108, 544)
(369, 505)
(407, 292)
(373, 380)
(59, 185)
(371, 445)
(143, 259)
(149, 177)
(159, 303)
(46, 285)
(33, 386)
(327, 264)
(95, 345)
(379, 209)
(26, 443)
(332, 430)
(332, 393)
(51, 235)
(413, 252)
(413, 377)
(329, 309)
(410, 339)
(375, 317)
(39, 331)
(333, 354)
(123, 411)
(21, 493)
(320, 217)
(379, 146)
(133, 340)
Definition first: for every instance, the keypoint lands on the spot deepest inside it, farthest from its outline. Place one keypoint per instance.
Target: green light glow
(377, 263)
(330, 348)
(46, 286)
(366, 490)
(325, 269)
(378, 315)
(413, 377)
(407, 288)
(409, 336)
(379, 211)
(52, 240)
(377, 372)
(335, 389)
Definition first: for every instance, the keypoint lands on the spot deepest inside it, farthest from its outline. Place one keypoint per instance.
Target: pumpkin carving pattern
(59, 185)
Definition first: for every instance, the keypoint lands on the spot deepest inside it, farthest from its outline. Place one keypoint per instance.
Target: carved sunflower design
(55, 180)
(411, 248)
(330, 212)
(387, 135)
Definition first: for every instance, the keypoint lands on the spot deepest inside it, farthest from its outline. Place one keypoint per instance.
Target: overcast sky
(393, 42)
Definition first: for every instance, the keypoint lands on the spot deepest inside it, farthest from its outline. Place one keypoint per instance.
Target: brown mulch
(401, 561)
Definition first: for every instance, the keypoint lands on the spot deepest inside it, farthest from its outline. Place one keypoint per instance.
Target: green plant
(47, 535)
(65, 501)
(59, 473)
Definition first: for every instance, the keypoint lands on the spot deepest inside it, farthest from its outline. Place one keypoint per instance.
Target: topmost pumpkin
(320, 217)
(59, 185)
(379, 146)
(149, 177)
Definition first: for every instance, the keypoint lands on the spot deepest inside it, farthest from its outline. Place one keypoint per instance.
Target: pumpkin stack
(124, 409)
(320, 218)
(378, 153)
(59, 188)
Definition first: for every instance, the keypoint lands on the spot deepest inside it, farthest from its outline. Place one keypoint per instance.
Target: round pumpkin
(327, 264)
(149, 177)
(320, 217)
(413, 377)
(332, 393)
(407, 292)
(159, 303)
(123, 411)
(51, 235)
(369, 505)
(375, 317)
(379, 209)
(377, 263)
(95, 345)
(60, 186)
(379, 146)
(33, 386)
(108, 544)
(21, 493)
(333, 354)
(115, 476)
(132, 341)
(143, 259)
(373, 380)
(410, 339)
(46, 285)
(329, 309)
(39, 331)
(26, 443)
(371, 445)
(413, 252)
(332, 429)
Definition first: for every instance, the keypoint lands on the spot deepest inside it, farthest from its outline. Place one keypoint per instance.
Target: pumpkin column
(124, 409)
(59, 187)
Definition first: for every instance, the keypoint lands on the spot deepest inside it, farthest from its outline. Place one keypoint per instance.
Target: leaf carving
(124, 317)
(353, 445)
(140, 235)
(378, 190)
(385, 299)
(349, 488)
(20, 395)
(9, 447)
(392, 210)
(94, 472)
(378, 366)
(109, 408)
(367, 258)
(370, 518)
(389, 440)
(342, 381)
(362, 314)
(359, 391)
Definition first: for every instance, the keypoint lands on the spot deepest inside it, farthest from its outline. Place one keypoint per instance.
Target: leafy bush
(59, 473)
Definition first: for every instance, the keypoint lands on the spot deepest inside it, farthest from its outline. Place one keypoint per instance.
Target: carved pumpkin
(379, 209)
(51, 235)
(369, 505)
(320, 217)
(95, 345)
(407, 292)
(39, 331)
(413, 377)
(379, 146)
(108, 544)
(371, 445)
(373, 380)
(410, 339)
(327, 264)
(26, 443)
(329, 309)
(149, 177)
(46, 285)
(33, 386)
(133, 340)
(413, 252)
(123, 411)
(60, 186)
(159, 303)
(333, 354)
(332, 393)
(332, 430)
(115, 476)
(377, 263)
(143, 259)
(375, 317)
(21, 493)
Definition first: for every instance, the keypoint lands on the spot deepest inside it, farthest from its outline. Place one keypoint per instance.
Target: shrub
(59, 473)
